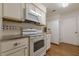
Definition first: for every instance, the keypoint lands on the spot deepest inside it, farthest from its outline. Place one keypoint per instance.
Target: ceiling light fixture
(65, 5)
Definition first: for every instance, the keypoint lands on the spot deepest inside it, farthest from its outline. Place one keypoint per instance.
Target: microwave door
(33, 17)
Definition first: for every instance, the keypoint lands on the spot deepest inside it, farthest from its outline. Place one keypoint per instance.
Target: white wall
(55, 22)
(0, 20)
(68, 23)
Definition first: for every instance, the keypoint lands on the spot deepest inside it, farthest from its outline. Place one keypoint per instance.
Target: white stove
(37, 42)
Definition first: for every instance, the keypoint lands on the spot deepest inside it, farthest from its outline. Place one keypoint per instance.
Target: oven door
(37, 45)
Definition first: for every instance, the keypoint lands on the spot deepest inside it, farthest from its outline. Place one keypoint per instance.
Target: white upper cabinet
(31, 11)
(42, 18)
(14, 10)
(40, 6)
(31, 7)
(0, 10)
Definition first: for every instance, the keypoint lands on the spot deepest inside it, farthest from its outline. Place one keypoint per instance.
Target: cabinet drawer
(16, 52)
(12, 44)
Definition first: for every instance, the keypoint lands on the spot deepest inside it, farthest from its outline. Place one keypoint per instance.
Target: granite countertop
(12, 37)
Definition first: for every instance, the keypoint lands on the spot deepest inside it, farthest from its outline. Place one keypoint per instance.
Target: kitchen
(34, 29)
(22, 29)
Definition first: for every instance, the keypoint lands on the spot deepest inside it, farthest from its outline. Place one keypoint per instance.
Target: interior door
(54, 25)
(77, 20)
(69, 30)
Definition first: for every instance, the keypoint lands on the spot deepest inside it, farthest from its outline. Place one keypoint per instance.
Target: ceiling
(59, 9)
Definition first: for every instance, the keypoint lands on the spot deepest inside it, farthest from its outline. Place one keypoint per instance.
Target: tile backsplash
(11, 28)
(14, 28)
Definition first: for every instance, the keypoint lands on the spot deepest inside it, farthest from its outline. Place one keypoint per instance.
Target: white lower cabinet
(18, 53)
(15, 52)
(16, 47)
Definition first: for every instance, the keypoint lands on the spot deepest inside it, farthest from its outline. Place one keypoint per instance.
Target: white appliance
(34, 16)
(37, 42)
(37, 46)
(31, 31)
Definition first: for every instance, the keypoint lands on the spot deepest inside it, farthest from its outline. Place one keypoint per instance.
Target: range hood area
(18, 21)
(30, 13)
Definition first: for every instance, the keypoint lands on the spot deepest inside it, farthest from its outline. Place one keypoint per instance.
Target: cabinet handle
(25, 47)
(15, 44)
(75, 32)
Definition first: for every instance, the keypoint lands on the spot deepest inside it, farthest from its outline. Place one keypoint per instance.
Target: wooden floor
(63, 50)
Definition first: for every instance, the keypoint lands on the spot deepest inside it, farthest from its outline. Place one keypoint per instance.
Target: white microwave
(33, 16)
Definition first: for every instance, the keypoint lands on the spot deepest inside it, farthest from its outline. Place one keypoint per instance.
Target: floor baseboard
(63, 42)
(55, 44)
(70, 44)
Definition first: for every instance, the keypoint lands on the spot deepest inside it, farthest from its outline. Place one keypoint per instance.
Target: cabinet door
(43, 18)
(69, 30)
(77, 29)
(26, 51)
(31, 7)
(14, 10)
(40, 6)
(18, 53)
